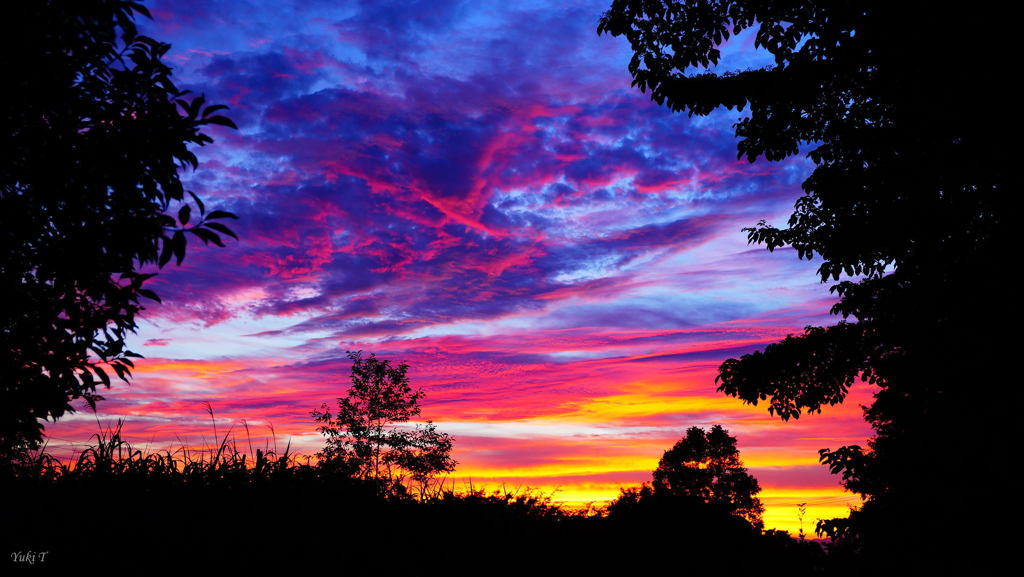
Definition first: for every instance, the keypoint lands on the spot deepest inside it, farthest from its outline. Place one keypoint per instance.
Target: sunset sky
(475, 189)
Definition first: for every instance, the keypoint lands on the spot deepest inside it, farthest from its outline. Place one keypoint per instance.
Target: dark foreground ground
(315, 525)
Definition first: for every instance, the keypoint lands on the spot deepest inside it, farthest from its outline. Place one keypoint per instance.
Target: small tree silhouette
(366, 439)
(707, 466)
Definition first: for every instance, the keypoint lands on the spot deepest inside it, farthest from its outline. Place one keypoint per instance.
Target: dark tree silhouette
(701, 472)
(898, 106)
(706, 465)
(94, 133)
(366, 437)
(700, 512)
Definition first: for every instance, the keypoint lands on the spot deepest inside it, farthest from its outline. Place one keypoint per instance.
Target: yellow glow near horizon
(630, 406)
(564, 467)
(781, 507)
(780, 503)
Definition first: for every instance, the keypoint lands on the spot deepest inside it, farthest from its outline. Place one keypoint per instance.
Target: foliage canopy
(700, 475)
(94, 134)
(706, 465)
(907, 208)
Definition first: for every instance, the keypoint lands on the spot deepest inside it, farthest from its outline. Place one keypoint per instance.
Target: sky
(475, 189)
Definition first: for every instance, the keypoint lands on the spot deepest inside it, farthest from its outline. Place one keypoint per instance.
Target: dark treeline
(117, 509)
(375, 500)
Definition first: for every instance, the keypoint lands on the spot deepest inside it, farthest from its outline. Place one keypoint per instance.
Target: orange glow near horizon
(578, 450)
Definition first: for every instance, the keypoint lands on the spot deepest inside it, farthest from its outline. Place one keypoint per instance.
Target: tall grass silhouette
(233, 506)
